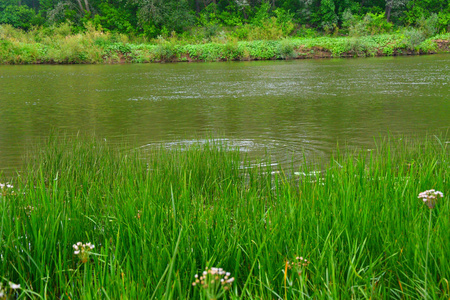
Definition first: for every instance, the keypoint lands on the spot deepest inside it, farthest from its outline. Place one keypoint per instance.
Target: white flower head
(14, 286)
(215, 281)
(83, 250)
(429, 197)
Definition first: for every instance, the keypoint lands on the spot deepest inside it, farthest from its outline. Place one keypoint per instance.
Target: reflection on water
(292, 109)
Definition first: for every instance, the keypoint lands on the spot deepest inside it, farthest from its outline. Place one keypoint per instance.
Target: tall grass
(157, 218)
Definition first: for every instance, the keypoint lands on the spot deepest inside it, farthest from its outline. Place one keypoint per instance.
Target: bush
(306, 32)
(388, 50)
(285, 21)
(428, 26)
(428, 46)
(414, 37)
(370, 24)
(377, 23)
(232, 51)
(285, 49)
(444, 20)
(165, 51)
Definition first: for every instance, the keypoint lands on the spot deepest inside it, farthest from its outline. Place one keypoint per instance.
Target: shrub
(444, 20)
(269, 30)
(414, 37)
(285, 21)
(370, 24)
(306, 32)
(285, 49)
(355, 46)
(429, 26)
(428, 46)
(388, 50)
(349, 20)
(165, 51)
(232, 51)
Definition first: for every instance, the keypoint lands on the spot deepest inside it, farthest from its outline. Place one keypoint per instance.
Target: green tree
(18, 16)
(117, 18)
(171, 14)
(324, 14)
(392, 5)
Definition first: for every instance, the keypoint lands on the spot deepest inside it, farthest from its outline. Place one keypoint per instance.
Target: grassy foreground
(60, 46)
(157, 219)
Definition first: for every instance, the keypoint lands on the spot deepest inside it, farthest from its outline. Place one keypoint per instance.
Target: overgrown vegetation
(86, 220)
(61, 45)
(96, 31)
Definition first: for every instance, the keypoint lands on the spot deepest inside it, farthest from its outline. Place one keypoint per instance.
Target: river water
(290, 109)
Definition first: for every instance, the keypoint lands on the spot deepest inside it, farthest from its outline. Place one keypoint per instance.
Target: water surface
(293, 109)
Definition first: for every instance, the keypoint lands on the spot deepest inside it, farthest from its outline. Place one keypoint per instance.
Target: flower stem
(426, 257)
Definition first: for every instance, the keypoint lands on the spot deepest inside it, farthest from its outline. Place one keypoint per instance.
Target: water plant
(83, 251)
(214, 282)
(430, 198)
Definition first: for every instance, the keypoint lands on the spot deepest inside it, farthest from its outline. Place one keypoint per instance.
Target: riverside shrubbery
(352, 229)
(63, 44)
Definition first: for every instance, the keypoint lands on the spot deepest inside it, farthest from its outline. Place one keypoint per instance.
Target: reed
(154, 219)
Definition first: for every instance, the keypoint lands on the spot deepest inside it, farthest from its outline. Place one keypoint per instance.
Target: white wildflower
(429, 197)
(214, 281)
(83, 250)
(14, 286)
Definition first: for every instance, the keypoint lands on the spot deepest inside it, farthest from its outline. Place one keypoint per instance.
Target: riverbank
(86, 220)
(96, 47)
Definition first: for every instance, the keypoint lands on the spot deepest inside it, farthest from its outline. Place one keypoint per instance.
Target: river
(290, 109)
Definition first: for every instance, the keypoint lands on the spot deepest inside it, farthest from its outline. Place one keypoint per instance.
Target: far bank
(96, 47)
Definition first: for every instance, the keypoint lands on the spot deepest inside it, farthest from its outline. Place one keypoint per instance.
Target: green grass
(60, 46)
(159, 217)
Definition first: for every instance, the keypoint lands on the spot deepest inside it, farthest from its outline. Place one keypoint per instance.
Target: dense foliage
(152, 18)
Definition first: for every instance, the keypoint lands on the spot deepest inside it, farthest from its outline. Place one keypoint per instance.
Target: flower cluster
(4, 187)
(29, 209)
(298, 264)
(83, 251)
(138, 215)
(4, 292)
(300, 261)
(215, 281)
(430, 197)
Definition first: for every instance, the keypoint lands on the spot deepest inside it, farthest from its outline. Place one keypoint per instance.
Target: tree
(18, 16)
(172, 14)
(394, 4)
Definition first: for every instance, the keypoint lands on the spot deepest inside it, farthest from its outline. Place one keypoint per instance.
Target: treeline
(153, 18)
